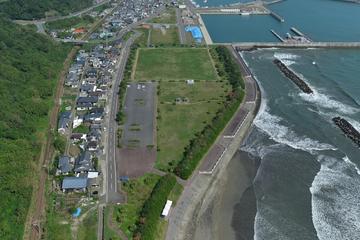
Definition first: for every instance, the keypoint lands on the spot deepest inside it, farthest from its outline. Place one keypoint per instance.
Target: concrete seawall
(249, 45)
(204, 31)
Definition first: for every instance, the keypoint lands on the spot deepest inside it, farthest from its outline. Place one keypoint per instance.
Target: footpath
(182, 219)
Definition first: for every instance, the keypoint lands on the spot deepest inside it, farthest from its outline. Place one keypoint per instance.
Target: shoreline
(202, 191)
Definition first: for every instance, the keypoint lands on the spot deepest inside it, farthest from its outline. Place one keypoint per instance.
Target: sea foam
(272, 126)
(335, 199)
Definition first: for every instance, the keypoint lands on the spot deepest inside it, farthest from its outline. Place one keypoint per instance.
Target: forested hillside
(35, 9)
(29, 68)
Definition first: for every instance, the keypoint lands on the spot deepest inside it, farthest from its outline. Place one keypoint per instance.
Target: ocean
(308, 183)
(321, 20)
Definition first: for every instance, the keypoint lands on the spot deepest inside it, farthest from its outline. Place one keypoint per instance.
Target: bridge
(251, 45)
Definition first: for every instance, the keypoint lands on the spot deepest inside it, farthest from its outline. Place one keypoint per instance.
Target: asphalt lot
(139, 110)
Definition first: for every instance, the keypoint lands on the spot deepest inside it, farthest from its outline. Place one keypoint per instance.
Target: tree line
(227, 69)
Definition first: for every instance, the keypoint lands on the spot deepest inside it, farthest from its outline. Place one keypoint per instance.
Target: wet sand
(230, 213)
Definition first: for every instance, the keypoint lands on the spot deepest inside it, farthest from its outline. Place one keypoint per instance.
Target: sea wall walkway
(248, 45)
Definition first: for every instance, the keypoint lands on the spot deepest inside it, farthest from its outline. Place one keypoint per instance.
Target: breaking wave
(327, 102)
(335, 199)
(286, 58)
(271, 125)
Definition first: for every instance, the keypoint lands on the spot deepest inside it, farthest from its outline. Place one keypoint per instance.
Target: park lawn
(198, 92)
(178, 123)
(175, 64)
(138, 191)
(167, 17)
(88, 227)
(167, 36)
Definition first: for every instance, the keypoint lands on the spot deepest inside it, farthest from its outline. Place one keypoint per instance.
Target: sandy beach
(231, 211)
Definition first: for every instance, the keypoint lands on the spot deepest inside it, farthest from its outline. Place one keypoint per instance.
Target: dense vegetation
(151, 211)
(71, 22)
(35, 9)
(198, 146)
(29, 67)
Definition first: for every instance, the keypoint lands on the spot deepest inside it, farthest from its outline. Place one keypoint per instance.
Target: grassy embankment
(74, 22)
(29, 69)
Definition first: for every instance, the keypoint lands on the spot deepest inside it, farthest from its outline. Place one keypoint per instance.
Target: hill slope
(29, 67)
(35, 9)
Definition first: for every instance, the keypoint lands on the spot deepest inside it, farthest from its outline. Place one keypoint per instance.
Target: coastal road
(181, 27)
(112, 192)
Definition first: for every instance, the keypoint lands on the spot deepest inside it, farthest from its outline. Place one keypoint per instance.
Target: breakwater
(348, 129)
(293, 77)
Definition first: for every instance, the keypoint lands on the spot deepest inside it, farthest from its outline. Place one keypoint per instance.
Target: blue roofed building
(74, 184)
(195, 32)
(64, 166)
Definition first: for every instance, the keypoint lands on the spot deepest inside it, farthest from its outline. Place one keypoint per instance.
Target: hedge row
(198, 146)
(151, 211)
(126, 78)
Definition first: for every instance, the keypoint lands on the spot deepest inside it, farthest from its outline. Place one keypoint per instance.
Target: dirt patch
(135, 162)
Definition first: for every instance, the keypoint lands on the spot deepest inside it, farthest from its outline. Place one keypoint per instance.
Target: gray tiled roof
(74, 182)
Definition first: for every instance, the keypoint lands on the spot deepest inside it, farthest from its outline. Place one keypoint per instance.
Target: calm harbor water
(321, 20)
(308, 182)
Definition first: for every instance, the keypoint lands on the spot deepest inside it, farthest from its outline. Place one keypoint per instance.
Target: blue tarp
(77, 212)
(195, 32)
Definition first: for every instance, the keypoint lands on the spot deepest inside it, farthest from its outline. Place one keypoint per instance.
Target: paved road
(180, 25)
(112, 191)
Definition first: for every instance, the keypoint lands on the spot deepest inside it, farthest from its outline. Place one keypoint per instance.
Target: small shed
(166, 210)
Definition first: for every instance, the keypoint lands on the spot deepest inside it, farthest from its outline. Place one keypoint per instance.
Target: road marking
(111, 176)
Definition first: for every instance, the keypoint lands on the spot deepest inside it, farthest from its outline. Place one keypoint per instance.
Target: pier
(300, 34)
(277, 35)
(277, 16)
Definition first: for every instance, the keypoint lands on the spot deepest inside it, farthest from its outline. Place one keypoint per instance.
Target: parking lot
(139, 110)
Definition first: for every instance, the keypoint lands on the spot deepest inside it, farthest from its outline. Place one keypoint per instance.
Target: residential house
(86, 103)
(74, 184)
(83, 163)
(64, 121)
(64, 166)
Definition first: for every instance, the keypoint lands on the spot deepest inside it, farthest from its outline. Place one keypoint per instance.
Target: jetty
(277, 35)
(348, 129)
(277, 16)
(293, 77)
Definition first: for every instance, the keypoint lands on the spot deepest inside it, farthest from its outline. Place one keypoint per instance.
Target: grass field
(166, 37)
(174, 64)
(167, 17)
(142, 40)
(88, 228)
(178, 123)
(138, 190)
